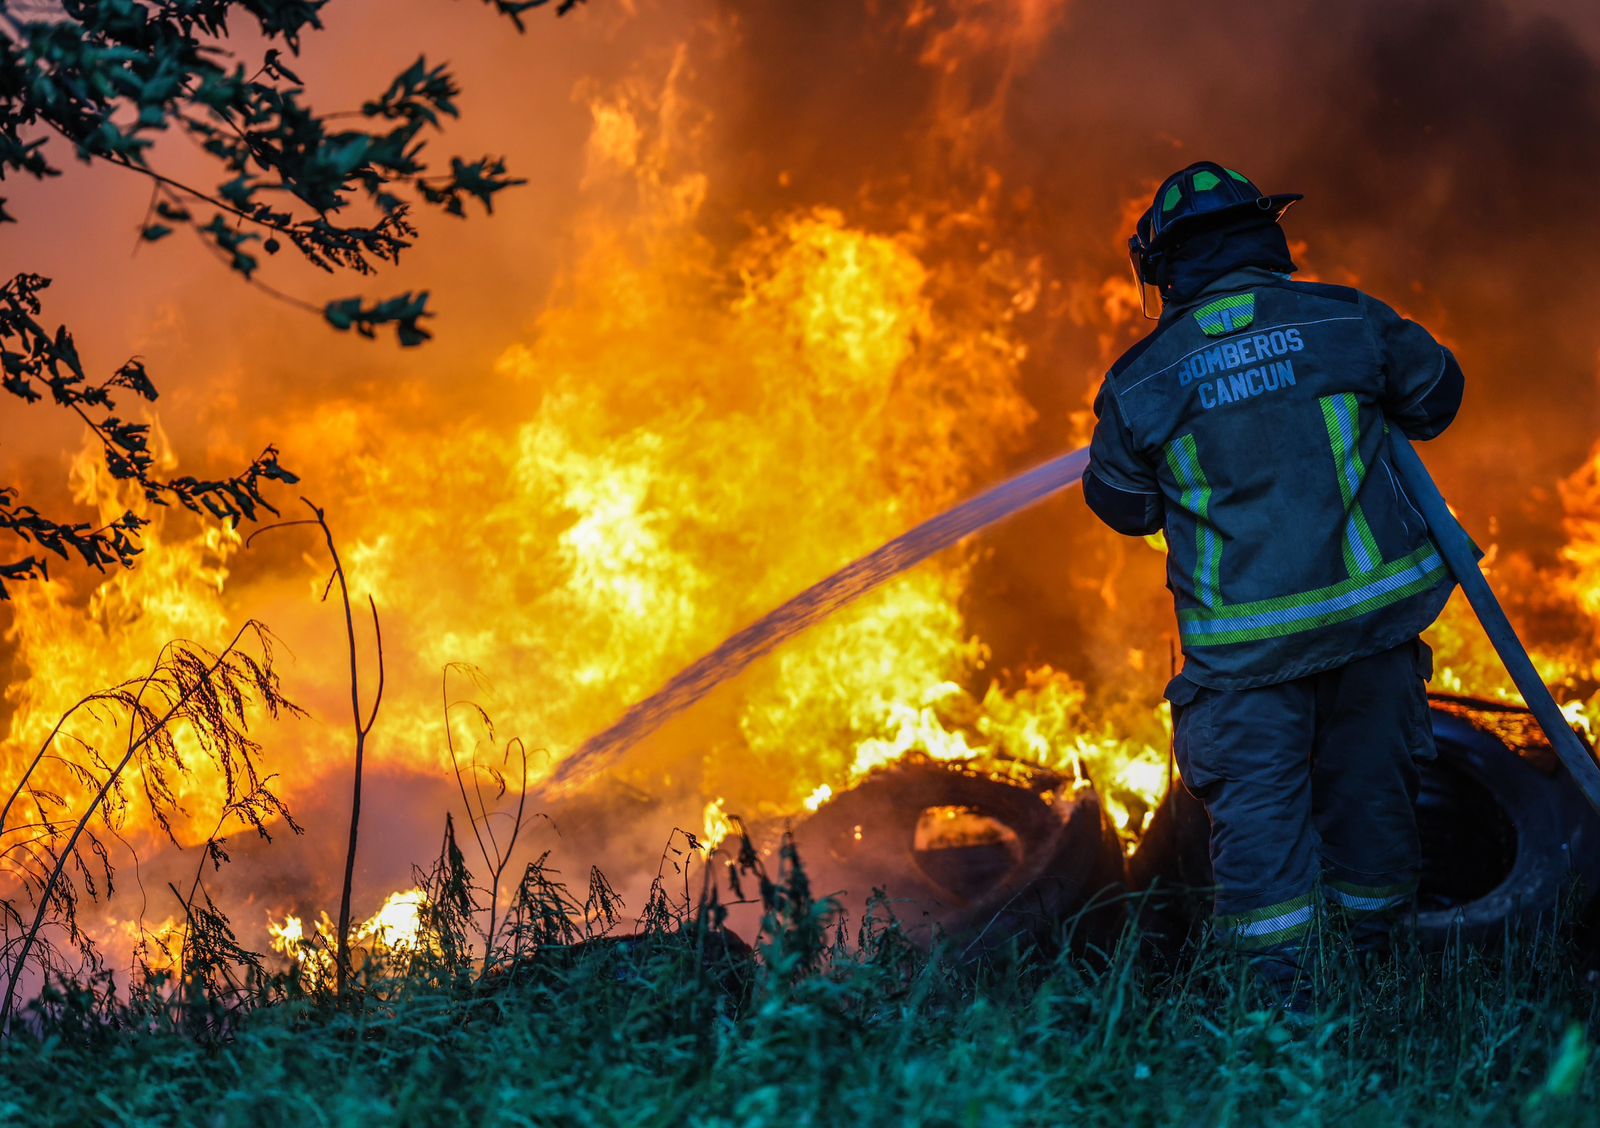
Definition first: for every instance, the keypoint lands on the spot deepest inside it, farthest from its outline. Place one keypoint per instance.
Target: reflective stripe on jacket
(1252, 426)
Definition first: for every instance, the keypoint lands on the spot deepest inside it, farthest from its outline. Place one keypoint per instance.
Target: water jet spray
(811, 606)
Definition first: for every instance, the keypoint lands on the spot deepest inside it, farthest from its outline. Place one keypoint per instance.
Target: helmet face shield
(1149, 295)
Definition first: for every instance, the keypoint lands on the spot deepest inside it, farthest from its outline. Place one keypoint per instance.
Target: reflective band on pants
(1367, 900)
(1276, 924)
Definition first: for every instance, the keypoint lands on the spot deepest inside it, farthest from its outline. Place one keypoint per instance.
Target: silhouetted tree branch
(109, 79)
(106, 79)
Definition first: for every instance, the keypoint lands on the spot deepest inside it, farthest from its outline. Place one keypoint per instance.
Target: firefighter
(1252, 426)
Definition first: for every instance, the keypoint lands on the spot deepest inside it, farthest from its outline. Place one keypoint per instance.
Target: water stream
(809, 608)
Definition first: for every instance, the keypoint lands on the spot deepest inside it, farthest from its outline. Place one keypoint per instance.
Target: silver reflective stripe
(1293, 918)
(1368, 904)
(1430, 563)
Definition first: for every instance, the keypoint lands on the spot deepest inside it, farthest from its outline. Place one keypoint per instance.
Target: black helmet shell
(1191, 200)
(1199, 195)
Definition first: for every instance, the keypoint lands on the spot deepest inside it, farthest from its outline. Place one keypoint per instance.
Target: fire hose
(1461, 557)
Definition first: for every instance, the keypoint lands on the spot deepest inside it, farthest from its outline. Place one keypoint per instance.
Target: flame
(716, 825)
(1580, 556)
(73, 647)
(817, 798)
(394, 929)
(1465, 661)
(1556, 610)
(785, 426)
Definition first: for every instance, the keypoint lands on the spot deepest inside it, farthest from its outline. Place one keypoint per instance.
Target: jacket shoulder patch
(1226, 315)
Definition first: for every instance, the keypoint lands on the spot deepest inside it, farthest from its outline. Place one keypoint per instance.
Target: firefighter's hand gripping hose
(1461, 557)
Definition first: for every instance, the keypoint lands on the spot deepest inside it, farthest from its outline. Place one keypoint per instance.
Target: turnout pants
(1309, 783)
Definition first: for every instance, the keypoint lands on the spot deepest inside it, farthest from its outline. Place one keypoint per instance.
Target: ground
(653, 1031)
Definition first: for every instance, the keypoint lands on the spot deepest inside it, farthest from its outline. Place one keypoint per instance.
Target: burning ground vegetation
(733, 389)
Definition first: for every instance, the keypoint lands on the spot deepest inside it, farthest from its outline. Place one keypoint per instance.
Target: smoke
(1442, 147)
(1472, 119)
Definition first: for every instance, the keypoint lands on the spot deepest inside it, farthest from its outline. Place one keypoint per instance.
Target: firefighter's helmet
(1189, 201)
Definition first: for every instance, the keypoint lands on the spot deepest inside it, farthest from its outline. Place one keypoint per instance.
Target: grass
(681, 1024)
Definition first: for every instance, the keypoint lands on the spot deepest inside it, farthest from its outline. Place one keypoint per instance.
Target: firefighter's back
(1263, 407)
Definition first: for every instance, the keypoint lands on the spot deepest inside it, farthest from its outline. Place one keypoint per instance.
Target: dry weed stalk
(495, 848)
(361, 724)
(61, 854)
(541, 911)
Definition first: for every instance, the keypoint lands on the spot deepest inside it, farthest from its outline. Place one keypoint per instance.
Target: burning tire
(1504, 833)
(979, 858)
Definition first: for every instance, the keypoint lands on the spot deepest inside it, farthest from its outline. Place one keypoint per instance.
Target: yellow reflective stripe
(1341, 415)
(1369, 900)
(1183, 457)
(1269, 926)
(1290, 614)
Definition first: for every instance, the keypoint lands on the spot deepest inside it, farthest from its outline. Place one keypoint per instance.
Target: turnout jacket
(1252, 426)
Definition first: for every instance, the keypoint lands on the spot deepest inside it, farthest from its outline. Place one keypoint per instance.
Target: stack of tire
(1036, 860)
(1507, 840)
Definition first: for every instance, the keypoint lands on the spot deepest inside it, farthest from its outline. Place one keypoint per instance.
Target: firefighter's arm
(1422, 381)
(1119, 485)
